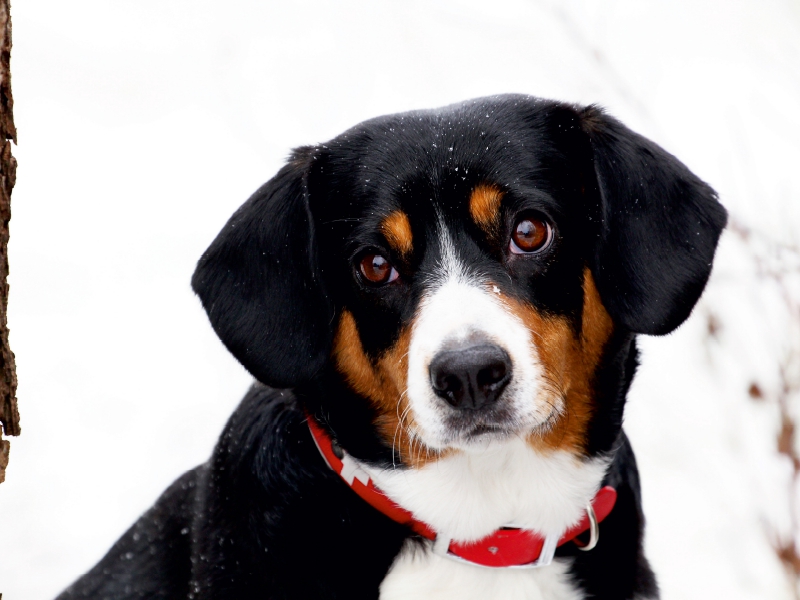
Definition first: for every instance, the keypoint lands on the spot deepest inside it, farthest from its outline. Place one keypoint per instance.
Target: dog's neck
(470, 495)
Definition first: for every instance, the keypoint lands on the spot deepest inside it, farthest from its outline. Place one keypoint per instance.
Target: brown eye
(530, 235)
(376, 269)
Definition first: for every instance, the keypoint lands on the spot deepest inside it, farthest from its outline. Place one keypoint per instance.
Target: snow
(143, 125)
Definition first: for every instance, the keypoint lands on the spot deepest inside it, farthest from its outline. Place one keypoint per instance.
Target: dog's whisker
(399, 428)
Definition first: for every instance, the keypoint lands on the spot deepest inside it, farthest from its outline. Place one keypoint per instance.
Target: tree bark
(9, 415)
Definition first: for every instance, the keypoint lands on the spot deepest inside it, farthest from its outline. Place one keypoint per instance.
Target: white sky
(143, 124)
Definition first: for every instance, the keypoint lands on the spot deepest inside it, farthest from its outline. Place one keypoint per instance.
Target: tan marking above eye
(570, 363)
(484, 206)
(396, 228)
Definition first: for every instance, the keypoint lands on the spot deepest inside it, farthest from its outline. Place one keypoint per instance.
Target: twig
(779, 262)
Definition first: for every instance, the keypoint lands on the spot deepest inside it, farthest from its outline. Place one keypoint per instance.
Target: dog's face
(461, 272)
(454, 249)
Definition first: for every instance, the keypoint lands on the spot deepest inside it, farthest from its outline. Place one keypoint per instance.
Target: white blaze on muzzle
(458, 311)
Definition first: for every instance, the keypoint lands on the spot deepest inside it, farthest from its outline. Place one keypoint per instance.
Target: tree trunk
(9, 415)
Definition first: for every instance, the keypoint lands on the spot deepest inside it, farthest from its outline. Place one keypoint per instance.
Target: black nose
(470, 378)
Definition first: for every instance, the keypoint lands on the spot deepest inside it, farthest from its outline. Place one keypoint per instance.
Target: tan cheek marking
(484, 206)
(569, 365)
(397, 231)
(384, 383)
(597, 323)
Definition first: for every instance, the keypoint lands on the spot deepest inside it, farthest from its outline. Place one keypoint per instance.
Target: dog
(440, 309)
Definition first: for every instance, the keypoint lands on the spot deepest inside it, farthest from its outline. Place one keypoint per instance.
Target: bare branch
(9, 415)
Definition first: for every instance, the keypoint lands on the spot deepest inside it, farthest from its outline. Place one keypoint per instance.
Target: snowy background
(143, 124)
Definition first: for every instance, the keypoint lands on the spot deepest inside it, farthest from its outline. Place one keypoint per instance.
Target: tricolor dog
(440, 308)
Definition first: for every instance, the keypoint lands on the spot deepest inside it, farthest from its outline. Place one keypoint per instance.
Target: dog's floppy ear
(659, 228)
(259, 282)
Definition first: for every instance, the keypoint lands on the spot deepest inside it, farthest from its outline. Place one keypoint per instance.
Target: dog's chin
(481, 438)
(483, 434)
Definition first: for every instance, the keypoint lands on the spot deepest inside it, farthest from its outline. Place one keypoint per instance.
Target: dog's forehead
(427, 143)
(427, 163)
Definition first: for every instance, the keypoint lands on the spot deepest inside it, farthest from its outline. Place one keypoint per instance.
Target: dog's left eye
(376, 269)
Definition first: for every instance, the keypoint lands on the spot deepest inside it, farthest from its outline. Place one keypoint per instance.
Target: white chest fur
(471, 494)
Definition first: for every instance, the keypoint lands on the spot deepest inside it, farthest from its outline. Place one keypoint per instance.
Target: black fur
(660, 229)
(259, 282)
(265, 518)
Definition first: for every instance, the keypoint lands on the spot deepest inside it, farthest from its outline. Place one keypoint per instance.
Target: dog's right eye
(376, 269)
(531, 235)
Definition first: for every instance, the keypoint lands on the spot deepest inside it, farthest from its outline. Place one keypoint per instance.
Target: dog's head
(459, 272)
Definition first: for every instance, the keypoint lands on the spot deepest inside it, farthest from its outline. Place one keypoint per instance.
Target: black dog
(449, 300)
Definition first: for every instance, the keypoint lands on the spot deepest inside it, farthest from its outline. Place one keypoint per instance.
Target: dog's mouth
(484, 431)
(477, 429)
(469, 428)
(482, 437)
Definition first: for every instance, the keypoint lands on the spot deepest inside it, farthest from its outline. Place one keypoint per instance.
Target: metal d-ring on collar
(594, 530)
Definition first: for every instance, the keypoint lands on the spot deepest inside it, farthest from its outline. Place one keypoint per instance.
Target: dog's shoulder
(152, 559)
(622, 550)
(162, 555)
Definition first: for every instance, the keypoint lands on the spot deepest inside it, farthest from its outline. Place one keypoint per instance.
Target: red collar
(505, 547)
